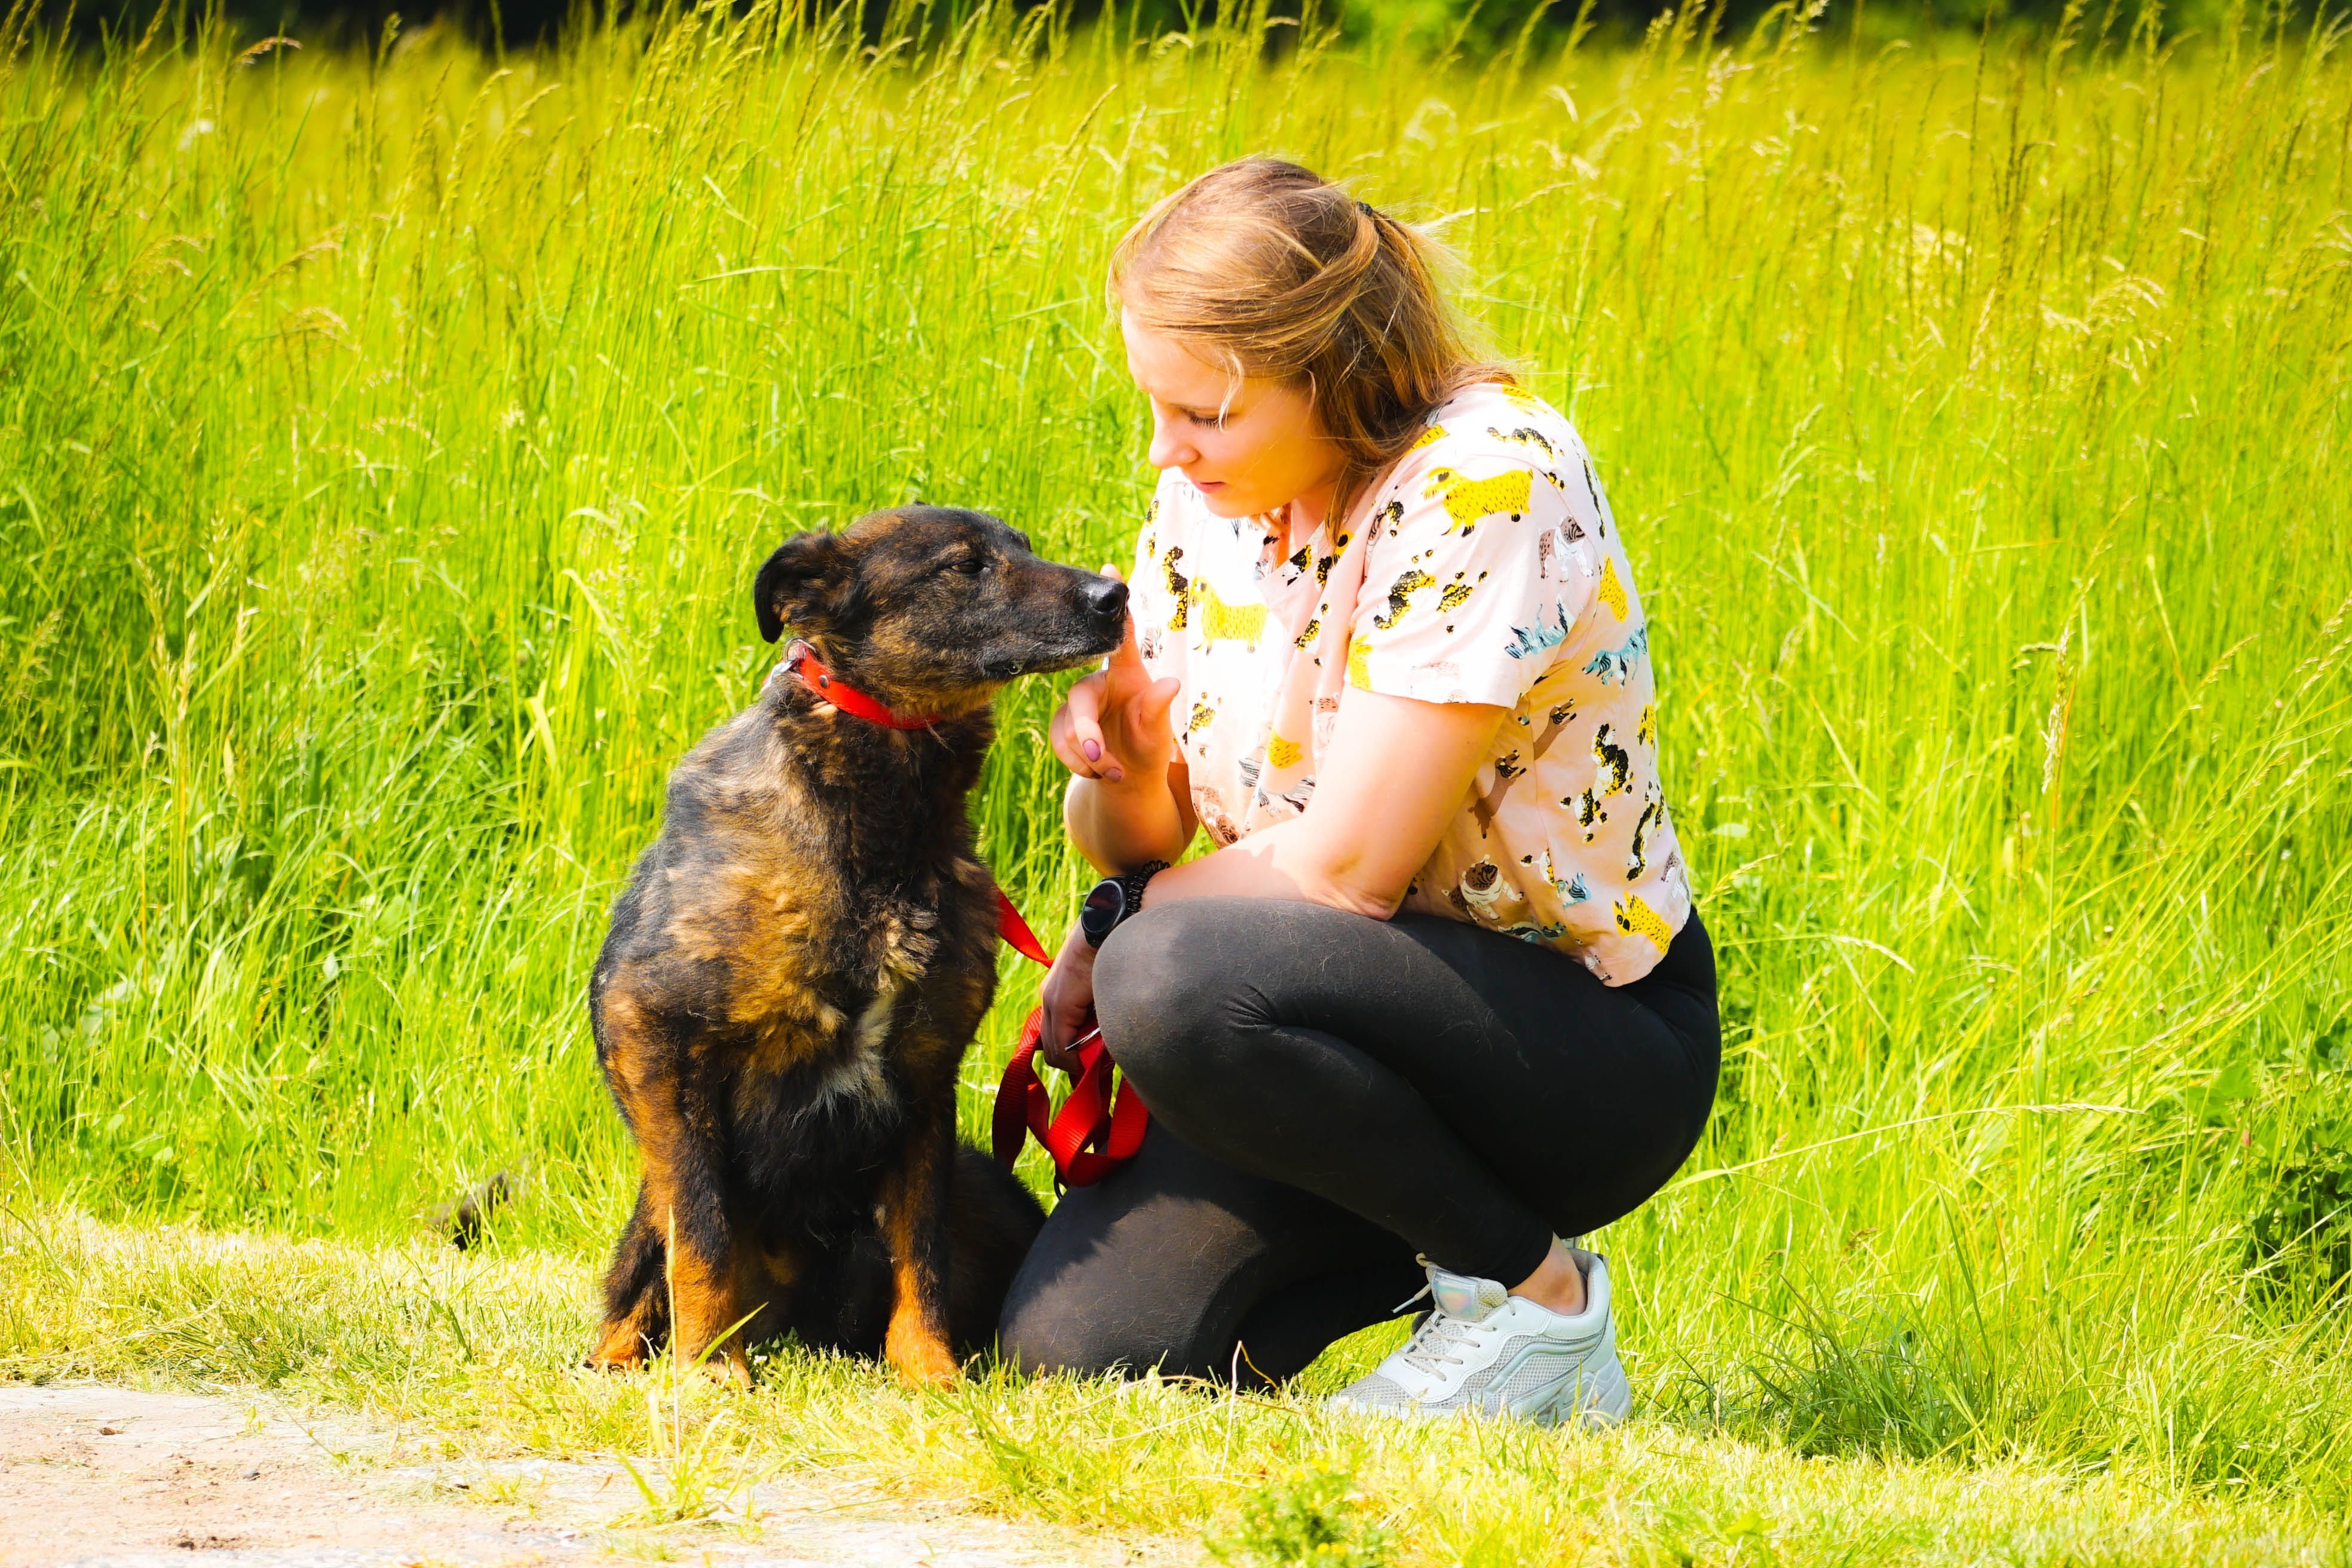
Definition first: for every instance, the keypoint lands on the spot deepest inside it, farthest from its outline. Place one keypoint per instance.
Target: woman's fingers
(1066, 997)
(1151, 708)
(1083, 705)
(1060, 737)
(1127, 659)
(1077, 1029)
(1064, 1026)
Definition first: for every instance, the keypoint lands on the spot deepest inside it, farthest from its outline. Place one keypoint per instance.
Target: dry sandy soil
(96, 1475)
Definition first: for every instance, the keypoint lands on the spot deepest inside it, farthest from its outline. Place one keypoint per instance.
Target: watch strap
(1130, 885)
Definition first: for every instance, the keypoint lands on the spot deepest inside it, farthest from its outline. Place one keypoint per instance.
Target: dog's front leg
(682, 1201)
(913, 1204)
(706, 1272)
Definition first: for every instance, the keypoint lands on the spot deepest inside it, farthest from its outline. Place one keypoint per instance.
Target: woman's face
(1247, 445)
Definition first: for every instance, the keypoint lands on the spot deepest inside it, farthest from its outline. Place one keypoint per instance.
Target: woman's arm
(1144, 818)
(1396, 772)
(1130, 795)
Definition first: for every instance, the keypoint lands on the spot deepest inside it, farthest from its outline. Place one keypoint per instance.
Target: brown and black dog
(798, 964)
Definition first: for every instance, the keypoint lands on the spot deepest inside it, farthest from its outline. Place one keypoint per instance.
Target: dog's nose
(1105, 596)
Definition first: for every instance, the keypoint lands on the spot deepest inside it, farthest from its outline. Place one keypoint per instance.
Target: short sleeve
(1478, 566)
(1156, 589)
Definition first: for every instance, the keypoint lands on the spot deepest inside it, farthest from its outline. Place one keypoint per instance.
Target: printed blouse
(1484, 567)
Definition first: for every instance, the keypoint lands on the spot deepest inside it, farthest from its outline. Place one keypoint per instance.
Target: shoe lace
(1441, 1334)
(1435, 1340)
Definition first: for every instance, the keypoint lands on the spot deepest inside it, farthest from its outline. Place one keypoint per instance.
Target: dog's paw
(727, 1371)
(923, 1360)
(621, 1349)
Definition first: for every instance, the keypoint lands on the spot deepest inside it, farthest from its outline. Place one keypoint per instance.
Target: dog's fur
(800, 960)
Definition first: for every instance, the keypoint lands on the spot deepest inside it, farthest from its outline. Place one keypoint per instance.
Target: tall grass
(386, 444)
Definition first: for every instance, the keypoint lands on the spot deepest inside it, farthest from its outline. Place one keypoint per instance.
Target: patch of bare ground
(94, 1474)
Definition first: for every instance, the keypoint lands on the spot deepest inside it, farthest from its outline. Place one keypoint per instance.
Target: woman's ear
(795, 581)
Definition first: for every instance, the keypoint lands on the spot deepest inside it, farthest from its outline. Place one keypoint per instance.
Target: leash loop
(1099, 1128)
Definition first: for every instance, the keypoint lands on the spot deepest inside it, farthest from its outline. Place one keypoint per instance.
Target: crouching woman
(1438, 998)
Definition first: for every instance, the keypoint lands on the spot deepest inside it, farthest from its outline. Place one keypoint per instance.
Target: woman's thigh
(1580, 1097)
(1175, 1258)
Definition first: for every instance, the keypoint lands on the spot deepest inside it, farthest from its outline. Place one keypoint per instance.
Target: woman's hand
(1069, 1000)
(1113, 726)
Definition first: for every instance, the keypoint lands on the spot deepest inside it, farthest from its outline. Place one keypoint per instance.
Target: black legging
(1331, 1094)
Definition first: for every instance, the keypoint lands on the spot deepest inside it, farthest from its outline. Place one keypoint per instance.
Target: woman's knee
(1057, 1319)
(1165, 992)
(1047, 1331)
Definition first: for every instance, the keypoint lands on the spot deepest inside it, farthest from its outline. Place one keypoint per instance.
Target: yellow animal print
(1611, 592)
(1467, 499)
(1458, 593)
(1521, 397)
(1179, 594)
(1409, 581)
(1281, 753)
(1428, 438)
(1635, 918)
(1646, 731)
(1530, 436)
(1611, 776)
(1323, 563)
(1221, 621)
(1307, 638)
(1653, 819)
(1203, 715)
(1359, 674)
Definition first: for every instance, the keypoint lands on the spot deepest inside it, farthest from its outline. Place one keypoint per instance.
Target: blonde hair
(1276, 272)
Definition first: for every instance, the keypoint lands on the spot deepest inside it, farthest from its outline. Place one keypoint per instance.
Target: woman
(1439, 989)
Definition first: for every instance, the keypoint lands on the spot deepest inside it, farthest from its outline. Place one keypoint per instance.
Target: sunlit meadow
(387, 441)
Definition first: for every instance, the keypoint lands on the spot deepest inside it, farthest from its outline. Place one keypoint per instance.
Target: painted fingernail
(1094, 752)
(1113, 775)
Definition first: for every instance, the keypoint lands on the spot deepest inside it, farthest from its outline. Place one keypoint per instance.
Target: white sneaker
(1484, 1352)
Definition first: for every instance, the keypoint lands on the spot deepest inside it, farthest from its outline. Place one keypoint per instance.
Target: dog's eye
(970, 565)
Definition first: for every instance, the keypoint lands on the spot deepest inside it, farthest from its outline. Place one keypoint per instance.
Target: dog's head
(931, 608)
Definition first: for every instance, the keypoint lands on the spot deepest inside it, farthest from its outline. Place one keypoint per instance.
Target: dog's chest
(892, 985)
(856, 1074)
(857, 1069)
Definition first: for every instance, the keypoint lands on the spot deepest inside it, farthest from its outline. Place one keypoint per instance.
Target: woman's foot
(1483, 1350)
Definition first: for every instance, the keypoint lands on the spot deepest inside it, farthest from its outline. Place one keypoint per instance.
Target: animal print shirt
(1485, 567)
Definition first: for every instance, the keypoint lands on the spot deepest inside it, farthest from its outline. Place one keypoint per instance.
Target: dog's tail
(465, 1221)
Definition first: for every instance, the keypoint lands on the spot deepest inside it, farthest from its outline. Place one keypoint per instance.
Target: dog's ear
(795, 581)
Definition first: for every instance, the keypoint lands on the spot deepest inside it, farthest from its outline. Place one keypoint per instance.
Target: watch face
(1102, 908)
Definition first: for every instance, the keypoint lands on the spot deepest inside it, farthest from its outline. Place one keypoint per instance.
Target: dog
(797, 964)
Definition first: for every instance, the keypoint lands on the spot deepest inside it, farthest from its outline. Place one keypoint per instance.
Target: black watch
(1113, 899)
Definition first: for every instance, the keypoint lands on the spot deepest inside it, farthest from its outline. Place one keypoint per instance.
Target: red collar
(802, 660)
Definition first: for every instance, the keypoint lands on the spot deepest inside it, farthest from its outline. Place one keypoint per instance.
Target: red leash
(1097, 1130)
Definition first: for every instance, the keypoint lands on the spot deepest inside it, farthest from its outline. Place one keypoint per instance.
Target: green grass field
(386, 445)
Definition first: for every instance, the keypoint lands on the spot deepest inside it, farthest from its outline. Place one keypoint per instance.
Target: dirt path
(92, 1474)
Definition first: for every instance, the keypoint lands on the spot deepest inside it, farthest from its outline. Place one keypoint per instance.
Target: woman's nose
(1169, 450)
